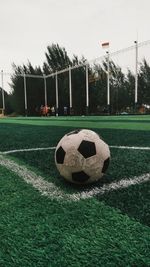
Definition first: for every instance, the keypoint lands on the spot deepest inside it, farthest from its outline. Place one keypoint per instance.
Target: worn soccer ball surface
(82, 156)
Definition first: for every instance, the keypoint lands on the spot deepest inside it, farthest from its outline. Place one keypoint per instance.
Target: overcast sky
(27, 27)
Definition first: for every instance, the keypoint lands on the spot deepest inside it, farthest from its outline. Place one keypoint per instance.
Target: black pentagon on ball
(87, 149)
(80, 177)
(105, 166)
(60, 155)
(74, 132)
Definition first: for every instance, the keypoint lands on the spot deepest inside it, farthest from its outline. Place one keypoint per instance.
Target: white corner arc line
(37, 181)
(131, 147)
(50, 190)
(53, 147)
(26, 150)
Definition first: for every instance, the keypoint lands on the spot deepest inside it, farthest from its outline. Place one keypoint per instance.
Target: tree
(58, 59)
(7, 102)
(118, 96)
(144, 84)
(122, 86)
(130, 90)
(97, 89)
(34, 90)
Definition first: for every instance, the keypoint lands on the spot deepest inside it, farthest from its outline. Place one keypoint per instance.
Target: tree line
(122, 86)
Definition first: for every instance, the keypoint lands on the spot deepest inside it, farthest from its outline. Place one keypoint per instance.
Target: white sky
(27, 27)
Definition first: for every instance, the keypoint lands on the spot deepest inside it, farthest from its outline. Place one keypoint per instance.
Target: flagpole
(108, 83)
(70, 90)
(3, 95)
(25, 95)
(56, 84)
(136, 74)
(87, 91)
(106, 45)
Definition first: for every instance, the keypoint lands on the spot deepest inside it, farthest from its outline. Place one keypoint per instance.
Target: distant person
(46, 110)
(53, 111)
(65, 110)
(41, 110)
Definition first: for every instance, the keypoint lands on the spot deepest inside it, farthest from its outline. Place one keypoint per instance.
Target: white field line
(131, 147)
(45, 188)
(50, 190)
(52, 148)
(26, 150)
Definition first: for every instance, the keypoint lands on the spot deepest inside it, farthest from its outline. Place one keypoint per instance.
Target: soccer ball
(82, 157)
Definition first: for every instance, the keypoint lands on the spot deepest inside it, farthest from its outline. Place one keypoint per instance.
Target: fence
(98, 75)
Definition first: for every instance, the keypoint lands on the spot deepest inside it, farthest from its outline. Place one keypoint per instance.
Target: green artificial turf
(112, 122)
(106, 230)
(135, 201)
(37, 231)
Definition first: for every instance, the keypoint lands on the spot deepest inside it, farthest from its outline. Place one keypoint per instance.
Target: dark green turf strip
(36, 231)
(86, 122)
(124, 163)
(134, 201)
(27, 136)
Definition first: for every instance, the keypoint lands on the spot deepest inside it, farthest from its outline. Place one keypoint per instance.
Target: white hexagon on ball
(82, 157)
